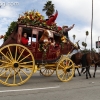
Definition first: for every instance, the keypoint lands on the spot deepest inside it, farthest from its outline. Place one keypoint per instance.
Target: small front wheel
(65, 69)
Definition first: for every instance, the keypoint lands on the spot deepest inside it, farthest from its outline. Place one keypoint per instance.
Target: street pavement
(39, 87)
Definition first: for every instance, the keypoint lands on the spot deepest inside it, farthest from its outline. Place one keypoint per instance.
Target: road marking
(29, 89)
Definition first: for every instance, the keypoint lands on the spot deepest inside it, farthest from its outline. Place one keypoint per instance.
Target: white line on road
(29, 89)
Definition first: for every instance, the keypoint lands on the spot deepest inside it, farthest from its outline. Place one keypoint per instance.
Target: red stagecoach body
(34, 34)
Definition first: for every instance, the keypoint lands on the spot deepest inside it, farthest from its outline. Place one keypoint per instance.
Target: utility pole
(91, 25)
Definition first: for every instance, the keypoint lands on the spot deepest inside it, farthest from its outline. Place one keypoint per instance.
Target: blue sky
(78, 12)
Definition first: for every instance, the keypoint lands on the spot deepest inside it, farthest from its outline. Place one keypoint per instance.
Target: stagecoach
(18, 62)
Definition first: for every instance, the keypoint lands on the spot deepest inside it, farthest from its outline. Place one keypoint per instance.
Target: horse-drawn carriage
(18, 62)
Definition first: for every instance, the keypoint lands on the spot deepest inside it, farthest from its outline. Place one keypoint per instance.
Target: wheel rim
(45, 71)
(17, 59)
(65, 69)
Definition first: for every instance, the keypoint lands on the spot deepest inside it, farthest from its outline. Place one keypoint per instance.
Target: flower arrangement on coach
(36, 19)
(31, 18)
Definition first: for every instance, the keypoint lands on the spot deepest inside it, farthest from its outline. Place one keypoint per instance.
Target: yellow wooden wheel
(17, 59)
(65, 69)
(46, 71)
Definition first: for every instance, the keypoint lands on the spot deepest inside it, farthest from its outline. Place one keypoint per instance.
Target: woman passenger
(24, 39)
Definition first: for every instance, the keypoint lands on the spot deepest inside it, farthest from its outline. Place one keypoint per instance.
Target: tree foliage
(88, 50)
(11, 28)
(49, 8)
(87, 33)
(74, 37)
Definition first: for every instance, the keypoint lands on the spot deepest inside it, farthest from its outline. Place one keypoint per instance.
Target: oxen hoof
(79, 74)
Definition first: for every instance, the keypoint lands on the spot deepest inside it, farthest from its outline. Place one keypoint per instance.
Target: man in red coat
(52, 19)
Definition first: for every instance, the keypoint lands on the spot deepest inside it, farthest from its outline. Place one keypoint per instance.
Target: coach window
(27, 30)
(34, 35)
(34, 38)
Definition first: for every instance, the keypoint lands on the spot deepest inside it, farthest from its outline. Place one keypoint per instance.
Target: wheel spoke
(1, 70)
(68, 63)
(20, 76)
(16, 53)
(60, 74)
(25, 62)
(24, 72)
(4, 72)
(48, 71)
(67, 74)
(21, 54)
(44, 70)
(61, 66)
(5, 56)
(10, 53)
(24, 58)
(63, 76)
(4, 61)
(8, 76)
(5, 66)
(70, 66)
(14, 77)
(23, 66)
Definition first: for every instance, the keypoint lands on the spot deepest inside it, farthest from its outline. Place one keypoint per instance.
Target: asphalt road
(50, 88)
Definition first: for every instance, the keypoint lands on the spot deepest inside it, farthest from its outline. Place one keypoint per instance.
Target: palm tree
(87, 33)
(74, 36)
(84, 44)
(49, 8)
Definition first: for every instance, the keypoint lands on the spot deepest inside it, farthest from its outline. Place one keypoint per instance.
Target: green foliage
(85, 51)
(87, 33)
(11, 28)
(49, 8)
(88, 50)
(74, 37)
(84, 43)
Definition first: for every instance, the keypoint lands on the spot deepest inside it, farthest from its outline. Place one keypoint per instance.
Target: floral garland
(31, 18)
(43, 48)
(34, 18)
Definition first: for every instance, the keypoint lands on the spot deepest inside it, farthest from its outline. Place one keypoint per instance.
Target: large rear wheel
(16, 59)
